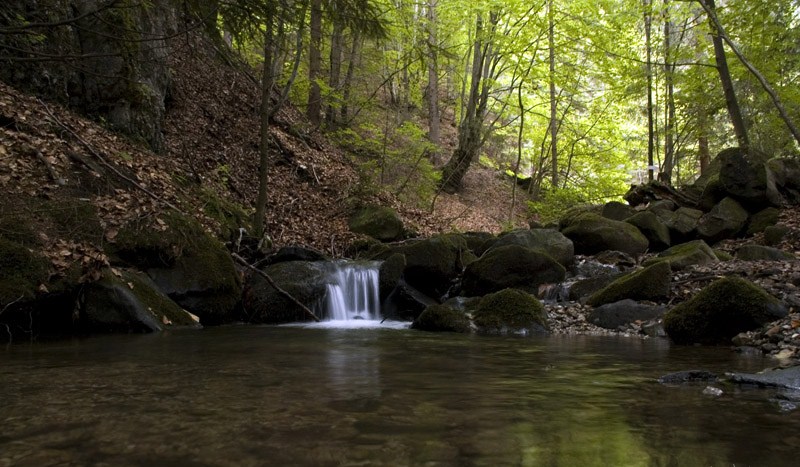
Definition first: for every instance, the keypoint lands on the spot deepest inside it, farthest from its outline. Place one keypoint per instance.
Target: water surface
(365, 396)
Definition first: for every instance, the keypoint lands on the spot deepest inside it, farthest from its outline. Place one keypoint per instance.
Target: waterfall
(353, 292)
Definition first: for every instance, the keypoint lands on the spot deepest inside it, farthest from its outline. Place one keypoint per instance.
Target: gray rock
(617, 211)
(686, 254)
(788, 378)
(653, 228)
(762, 219)
(406, 303)
(379, 222)
(762, 253)
(725, 220)
(623, 312)
(390, 273)
(511, 266)
(304, 280)
(682, 224)
(650, 283)
(586, 287)
(549, 241)
(592, 234)
(442, 318)
(747, 178)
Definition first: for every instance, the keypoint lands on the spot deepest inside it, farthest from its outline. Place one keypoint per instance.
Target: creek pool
(260, 395)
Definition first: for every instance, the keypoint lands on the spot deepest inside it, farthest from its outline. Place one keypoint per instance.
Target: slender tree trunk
(314, 109)
(710, 8)
(433, 76)
(334, 79)
(731, 102)
(669, 120)
(348, 79)
(703, 152)
(648, 19)
(267, 83)
(552, 84)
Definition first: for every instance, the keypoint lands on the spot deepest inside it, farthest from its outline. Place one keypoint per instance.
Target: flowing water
(252, 395)
(353, 292)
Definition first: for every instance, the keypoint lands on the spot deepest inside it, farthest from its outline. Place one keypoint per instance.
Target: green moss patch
(510, 311)
(651, 283)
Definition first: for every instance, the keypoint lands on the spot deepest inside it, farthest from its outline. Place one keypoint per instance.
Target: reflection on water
(318, 396)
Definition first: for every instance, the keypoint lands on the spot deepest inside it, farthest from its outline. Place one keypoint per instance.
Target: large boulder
(405, 303)
(747, 178)
(586, 287)
(721, 311)
(186, 263)
(379, 222)
(617, 314)
(653, 228)
(390, 273)
(129, 303)
(304, 280)
(713, 192)
(684, 255)
(650, 283)
(617, 211)
(786, 171)
(591, 234)
(511, 266)
(682, 224)
(433, 264)
(510, 311)
(442, 318)
(549, 241)
(725, 220)
(762, 219)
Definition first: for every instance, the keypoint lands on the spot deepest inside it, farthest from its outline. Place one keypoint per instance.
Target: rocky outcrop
(721, 311)
(433, 264)
(511, 266)
(591, 234)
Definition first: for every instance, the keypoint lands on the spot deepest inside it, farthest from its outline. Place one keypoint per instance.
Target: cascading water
(353, 292)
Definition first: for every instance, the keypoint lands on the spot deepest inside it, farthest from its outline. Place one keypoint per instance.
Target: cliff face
(107, 59)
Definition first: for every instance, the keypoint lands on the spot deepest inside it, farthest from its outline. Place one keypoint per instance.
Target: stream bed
(250, 395)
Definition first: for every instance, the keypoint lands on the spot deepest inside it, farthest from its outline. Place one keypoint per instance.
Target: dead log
(655, 190)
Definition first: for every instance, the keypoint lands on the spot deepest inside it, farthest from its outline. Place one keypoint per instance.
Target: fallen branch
(271, 282)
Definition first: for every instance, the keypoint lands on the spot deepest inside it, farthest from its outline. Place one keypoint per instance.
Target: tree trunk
(337, 44)
(433, 76)
(648, 19)
(552, 84)
(314, 109)
(669, 120)
(267, 82)
(731, 102)
(703, 152)
(348, 79)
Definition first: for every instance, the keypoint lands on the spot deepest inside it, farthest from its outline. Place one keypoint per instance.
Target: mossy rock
(650, 283)
(434, 263)
(510, 311)
(721, 311)
(713, 193)
(230, 216)
(192, 268)
(653, 228)
(726, 220)
(722, 255)
(762, 219)
(21, 272)
(592, 234)
(682, 224)
(511, 266)
(477, 240)
(773, 235)
(390, 273)
(442, 318)
(575, 212)
(762, 253)
(617, 211)
(129, 303)
(586, 287)
(379, 222)
(548, 241)
(686, 254)
(306, 281)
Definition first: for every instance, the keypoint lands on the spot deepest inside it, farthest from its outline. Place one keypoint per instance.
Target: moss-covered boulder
(746, 177)
(390, 273)
(775, 234)
(786, 172)
(405, 303)
(511, 266)
(478, 242)
(653, 228)
(129, 303)
(712, 193)
(617, 211)
(682, 224)
(651, 283)
(304, 280)
(442, 318)
(762, 253)
(510, 311)
(185, 262)
(726, 220)
(379, 222)
(575, 212)
(762, 219)
(592, 234)
(434, 263)
(584, 288)
(685, 254)
(720, 311)
(21, 272)
(549, 241)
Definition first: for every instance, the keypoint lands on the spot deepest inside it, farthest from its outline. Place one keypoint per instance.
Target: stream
(317, 395)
